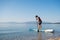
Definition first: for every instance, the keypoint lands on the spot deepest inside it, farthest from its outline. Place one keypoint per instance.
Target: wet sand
(56, 38)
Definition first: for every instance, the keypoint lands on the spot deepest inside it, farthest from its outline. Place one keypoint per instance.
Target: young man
(39, 21)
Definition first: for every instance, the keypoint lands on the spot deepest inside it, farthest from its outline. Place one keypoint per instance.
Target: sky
(25, 10)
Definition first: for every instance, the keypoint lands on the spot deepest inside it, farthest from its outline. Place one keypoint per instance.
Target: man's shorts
(39, 23)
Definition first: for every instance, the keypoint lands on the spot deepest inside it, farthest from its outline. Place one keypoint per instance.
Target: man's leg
(39, 27)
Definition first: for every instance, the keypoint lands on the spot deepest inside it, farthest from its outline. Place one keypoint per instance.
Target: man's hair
(36, 16)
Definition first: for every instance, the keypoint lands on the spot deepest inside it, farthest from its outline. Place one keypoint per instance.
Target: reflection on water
(44, 36)
(39, 36)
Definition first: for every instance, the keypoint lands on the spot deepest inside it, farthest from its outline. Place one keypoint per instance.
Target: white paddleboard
(46, 30)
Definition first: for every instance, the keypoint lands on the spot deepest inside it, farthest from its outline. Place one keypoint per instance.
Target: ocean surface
(22, 32)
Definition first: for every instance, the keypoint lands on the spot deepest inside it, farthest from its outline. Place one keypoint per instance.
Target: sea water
(21, 31)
